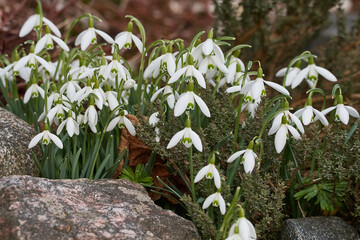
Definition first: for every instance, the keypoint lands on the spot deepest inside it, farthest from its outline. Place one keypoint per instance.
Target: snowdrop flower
(207, 48)
(209, 171)
(70, 87)
(46, 137)
(210, 62)
(153, 120)
(165, 62)
(168, 92)
(111, 98)
(248, 158)
(33, 92)
(72, 127)
(216, 200)
(342, 112)
(34, 22)
(307, 114)
(32, 59)
(235, 66)
(6, 73)
(125, 39)
(115, 68)
(88, 36)
(242, 229)
(257, 87)
(282, 134)
(58, 111)
(91, 116)
(312, 72)
(122, 121)
(292, 73)
(187, 101)
(251, 106)
(189, 71)
(188, 137)
(290, 117)
(47, 41)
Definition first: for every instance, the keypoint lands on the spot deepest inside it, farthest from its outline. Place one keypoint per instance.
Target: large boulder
(15, 136)
(37, 208)
(318, 228)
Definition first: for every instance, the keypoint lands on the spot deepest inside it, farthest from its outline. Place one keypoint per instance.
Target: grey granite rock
(15, 136)
(38, 208)
(318, 228)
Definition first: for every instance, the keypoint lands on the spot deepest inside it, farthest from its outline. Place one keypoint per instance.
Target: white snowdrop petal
(301, 75)
(40, 44)
(208, 201)
(29, 24)
(137, 42)
(199, 77)
(21, 63)
(61, 43)
(46, 65)
(326, 74)
(233, 89)
(56, 140)
(35, 140)
(156, 94)
(244, 230)
(321, 117)
(280, 138)
(196, 140)
(112, 124)
(61, 126)
(201, 174)
(235, 155)
(177, 75)
(129, 126)
(86, 40)
(202, 105)
(281, 72)
(105, 36)
(181, 104)
(207, 47)
(217, 179)
(70, 127)
(352, 111)
(307, 115)
(52, 26)
(326, 111)
(342, 113)
(222, 205)
(294, 132)
(175, 139)
(277, 87)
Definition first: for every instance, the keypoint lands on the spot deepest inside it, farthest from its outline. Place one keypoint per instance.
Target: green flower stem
(237, 122)
(192, 174)
(228, 216)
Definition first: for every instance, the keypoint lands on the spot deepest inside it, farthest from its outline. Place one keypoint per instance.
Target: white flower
(111, 99)
(58, 111)
(307, 115)
(248, 158)
(33, 91)
(153, 120)
(312, 72)
(125, 39)
(216, 200)
(209, 171)
(242, 229)
(115, 68)
(91, 116)
(71, 87)
(209, 47)
(168, 91)
(34, 21)
(256, 88)
(88, 36)
(47, 42)
(165, 62)
(236, 66)
(32, 59)
(290, 77)
(188, 137)
(292, 118)
(187, 101)
(189, 71)
(282, 134)
(122, 121)
(342, 112)
(45, 138)
(72, 127)
(210, 62)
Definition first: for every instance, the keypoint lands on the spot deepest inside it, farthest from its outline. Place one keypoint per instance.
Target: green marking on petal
(190, 106)
(215, 203)
(209, 175)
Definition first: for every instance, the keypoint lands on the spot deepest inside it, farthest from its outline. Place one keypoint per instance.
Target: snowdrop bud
(238, 67)
(92, 101)
(286, 104)
(212, 159)
(47, 30)
(129, 84)
(251, 145)
(16, 56)
(241, 212)
(53, 87)
(182, 46)
(70, 113)
(284, 120)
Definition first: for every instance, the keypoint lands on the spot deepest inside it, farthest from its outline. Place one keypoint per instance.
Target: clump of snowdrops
(200, 101)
